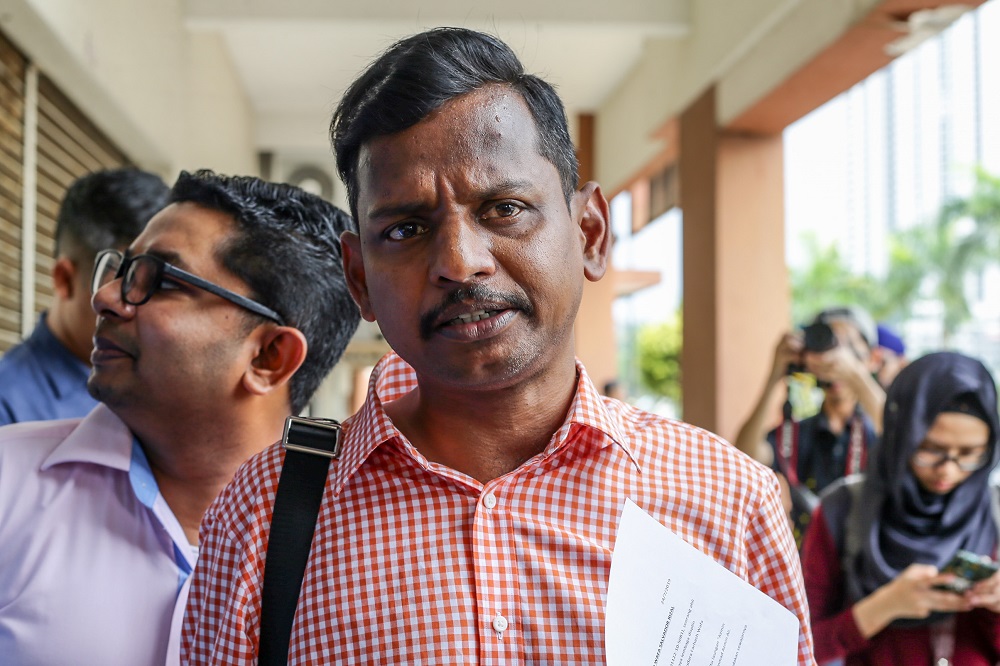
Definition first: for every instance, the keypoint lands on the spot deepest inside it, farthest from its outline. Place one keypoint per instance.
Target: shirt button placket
(499, 624)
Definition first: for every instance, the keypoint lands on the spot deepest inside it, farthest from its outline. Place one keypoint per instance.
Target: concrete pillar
(595, 332)
(736, 292)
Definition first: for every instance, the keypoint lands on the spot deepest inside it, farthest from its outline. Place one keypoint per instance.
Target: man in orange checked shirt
(472, 512)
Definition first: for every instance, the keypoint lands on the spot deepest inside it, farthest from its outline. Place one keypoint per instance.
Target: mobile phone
(969, 568)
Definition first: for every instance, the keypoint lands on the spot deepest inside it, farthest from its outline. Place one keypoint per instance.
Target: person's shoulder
(837, 501)
(250, 494)
(842, 490)
(22, 380)
(35, 436)
(662, 438)
(655, 429)
(24, 450)
(17, 362)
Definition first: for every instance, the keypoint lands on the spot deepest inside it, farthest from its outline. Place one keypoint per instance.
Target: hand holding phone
(969, 569)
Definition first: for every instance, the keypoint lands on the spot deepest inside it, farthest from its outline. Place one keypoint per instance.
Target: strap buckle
(318, 437)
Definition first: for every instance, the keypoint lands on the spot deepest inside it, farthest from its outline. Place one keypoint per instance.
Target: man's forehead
(184, 233)
(481, 133)
(475, 120)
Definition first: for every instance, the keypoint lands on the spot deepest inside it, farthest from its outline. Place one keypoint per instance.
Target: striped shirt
(416, 563)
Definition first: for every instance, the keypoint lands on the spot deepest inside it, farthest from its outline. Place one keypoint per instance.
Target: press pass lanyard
(788, 445)
(857, 455)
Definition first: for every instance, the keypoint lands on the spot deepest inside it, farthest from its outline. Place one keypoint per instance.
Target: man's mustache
(479, 297)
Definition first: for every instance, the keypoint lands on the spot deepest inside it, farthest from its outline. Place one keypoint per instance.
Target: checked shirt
(415, 563)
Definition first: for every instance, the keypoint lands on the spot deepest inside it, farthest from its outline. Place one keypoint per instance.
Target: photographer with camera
(897, 562)
(811, 454)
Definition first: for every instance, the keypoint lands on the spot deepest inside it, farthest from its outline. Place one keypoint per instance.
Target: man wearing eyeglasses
(220, 320)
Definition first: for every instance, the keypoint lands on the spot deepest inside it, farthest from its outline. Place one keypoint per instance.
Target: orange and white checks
(415, 563)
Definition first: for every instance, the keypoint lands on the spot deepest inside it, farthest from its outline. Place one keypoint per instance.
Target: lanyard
(787, 438)
(788, 446)
(857, 455)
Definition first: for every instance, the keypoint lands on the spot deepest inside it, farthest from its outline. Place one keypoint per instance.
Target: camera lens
(819, 337)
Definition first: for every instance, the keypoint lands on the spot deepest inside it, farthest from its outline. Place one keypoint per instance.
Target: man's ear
(281, 350)
(590, 209)
(64, 278)
(354, 271)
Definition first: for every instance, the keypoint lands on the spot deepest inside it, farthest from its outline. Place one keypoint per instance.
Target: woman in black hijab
(872, 557)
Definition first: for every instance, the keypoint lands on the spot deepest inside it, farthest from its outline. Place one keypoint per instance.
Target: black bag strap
(310, 445)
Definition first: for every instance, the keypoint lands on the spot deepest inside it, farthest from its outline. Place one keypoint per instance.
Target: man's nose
(108, 301)
(463, 251)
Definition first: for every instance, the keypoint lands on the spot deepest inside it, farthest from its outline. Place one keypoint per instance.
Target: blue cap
(891, 341)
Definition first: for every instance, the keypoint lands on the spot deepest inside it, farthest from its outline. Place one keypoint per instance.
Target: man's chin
(103, 391)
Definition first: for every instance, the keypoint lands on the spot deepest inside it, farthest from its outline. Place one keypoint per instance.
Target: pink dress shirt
(91, 557)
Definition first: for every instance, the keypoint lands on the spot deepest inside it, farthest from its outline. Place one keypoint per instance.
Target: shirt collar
(393, 378)
(101, 438)
(590, 409)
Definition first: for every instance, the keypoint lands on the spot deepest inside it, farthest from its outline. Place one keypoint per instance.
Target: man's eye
(405, 230)
(504, 209)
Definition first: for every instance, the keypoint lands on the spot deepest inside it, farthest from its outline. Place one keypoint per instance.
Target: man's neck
(60, 330)
(838, 411)
(484, 434)
(193, 459)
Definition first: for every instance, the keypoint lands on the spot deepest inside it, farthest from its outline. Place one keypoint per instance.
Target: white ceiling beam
(674, 13)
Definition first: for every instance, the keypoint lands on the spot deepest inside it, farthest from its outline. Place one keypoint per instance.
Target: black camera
(818, 337)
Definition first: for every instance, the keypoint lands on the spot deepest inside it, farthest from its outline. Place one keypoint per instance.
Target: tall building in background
(886, 154)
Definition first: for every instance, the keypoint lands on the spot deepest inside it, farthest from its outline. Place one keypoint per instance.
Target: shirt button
(500, 623)
(490, 501)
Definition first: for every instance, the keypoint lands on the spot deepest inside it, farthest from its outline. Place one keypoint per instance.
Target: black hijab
(902, 523)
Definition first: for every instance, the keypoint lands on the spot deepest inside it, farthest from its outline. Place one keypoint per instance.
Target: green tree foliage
(827, 280)
(973, 227)
(658, 348)
(933, 261)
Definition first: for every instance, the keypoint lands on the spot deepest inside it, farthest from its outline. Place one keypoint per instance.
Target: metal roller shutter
(11, 183)
(69, 146)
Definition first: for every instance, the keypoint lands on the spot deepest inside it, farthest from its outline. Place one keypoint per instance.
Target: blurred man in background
(45, 377)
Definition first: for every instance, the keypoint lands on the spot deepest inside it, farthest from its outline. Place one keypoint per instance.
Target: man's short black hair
(107, 209)
(419, 74)
(287, 251)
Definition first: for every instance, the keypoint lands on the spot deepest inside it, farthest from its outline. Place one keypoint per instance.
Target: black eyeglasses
(143, 274)
(967, 461)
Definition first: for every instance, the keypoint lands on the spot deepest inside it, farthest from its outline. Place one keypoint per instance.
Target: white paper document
(669, 604)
